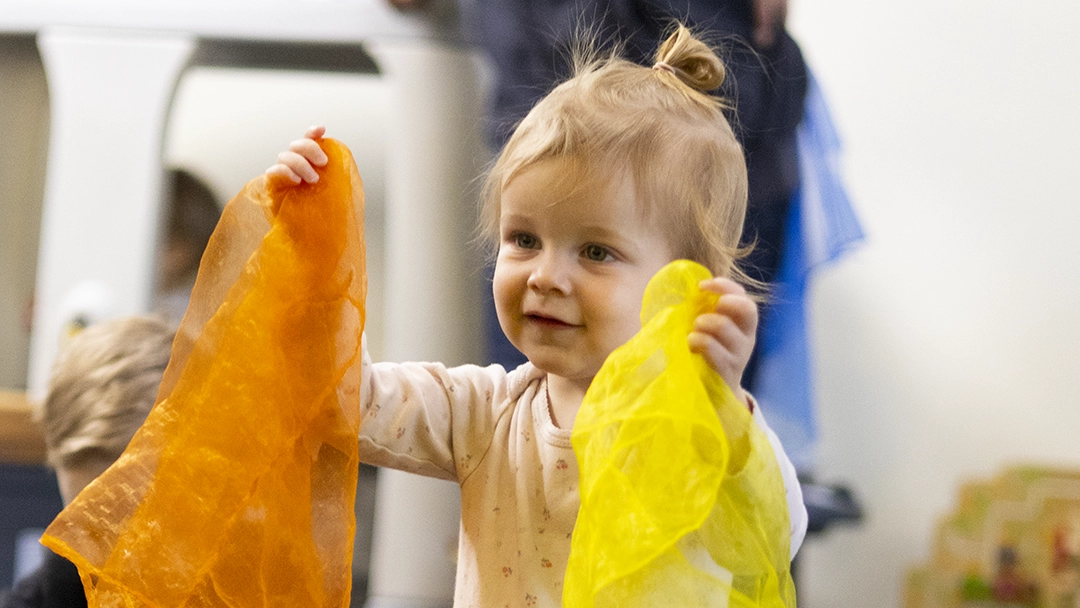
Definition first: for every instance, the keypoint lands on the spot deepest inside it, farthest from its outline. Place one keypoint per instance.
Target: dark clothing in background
(55, 584)
(528, 44)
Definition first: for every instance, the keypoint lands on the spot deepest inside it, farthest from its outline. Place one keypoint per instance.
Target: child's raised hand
(298, 162)
(725, 337)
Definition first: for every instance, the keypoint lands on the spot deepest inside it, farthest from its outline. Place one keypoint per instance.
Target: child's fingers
(310, 150)
(728, 334)
(721, 359)
(283, 171)
(722, 286)
(741, 310)
(733, 302)
(721, 327)
(299, 165)
(298, 162)
(729, 365)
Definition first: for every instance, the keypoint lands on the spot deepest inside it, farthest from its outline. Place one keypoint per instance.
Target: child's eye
(596, 253)
(525, 241)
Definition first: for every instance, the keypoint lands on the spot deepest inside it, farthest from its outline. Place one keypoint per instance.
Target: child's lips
(545, 321)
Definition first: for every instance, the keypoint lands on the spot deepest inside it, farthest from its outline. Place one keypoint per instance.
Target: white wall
(228, 125)
(949, 344)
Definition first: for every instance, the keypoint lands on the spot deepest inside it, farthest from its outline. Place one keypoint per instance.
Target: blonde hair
(662, 126)
(103, 386)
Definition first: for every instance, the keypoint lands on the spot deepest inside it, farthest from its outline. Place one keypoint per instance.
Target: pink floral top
(491, 431)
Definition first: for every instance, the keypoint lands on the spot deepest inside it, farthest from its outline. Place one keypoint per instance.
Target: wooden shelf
(20, 438)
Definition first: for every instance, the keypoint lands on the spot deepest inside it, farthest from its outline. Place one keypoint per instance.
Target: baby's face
(574, 259)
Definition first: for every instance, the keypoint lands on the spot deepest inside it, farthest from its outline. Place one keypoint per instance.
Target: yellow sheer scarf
(682, 499)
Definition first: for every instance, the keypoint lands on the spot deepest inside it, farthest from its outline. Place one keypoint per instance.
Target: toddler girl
(617, 172)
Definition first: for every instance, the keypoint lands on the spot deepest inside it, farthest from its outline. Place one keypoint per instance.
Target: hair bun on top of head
(690, 60)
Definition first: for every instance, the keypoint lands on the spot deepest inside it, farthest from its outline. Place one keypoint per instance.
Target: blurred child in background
(103, 385)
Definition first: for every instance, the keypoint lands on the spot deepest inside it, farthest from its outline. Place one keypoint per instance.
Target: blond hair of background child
(617, 172)
(103, 385)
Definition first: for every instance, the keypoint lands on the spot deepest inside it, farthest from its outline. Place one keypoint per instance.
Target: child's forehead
(557, 180)
(557, 194)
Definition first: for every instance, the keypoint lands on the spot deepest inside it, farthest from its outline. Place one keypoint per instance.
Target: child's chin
(546, 363)
(556, 366)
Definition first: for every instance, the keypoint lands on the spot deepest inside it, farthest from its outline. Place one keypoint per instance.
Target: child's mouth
(546, 321)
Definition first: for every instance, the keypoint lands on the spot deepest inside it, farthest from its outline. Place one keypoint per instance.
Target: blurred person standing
(193, 214)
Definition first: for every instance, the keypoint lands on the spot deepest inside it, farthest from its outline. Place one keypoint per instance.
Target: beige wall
(24, 120)
(949, 344)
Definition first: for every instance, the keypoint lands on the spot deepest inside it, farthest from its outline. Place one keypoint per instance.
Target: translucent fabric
(682, 499)
(239, 488)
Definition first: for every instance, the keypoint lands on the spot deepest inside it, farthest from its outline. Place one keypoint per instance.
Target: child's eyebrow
(614, 240)
(514, 218)
(514, 221)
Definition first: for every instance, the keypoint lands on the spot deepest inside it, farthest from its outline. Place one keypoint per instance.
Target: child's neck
(564, 399)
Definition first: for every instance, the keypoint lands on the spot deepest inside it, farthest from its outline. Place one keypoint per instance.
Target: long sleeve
(490, 431)
(792, 488)
(426, 418)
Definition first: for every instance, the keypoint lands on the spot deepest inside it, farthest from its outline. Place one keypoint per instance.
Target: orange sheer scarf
(239, 488)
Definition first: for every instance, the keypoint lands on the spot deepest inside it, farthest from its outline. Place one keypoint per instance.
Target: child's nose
(550, 274)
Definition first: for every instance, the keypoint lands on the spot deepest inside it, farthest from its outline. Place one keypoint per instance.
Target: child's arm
(725, 337)
(297, 163)
(430, 419)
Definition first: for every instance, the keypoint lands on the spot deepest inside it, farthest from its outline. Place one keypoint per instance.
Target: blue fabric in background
(821, 226)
